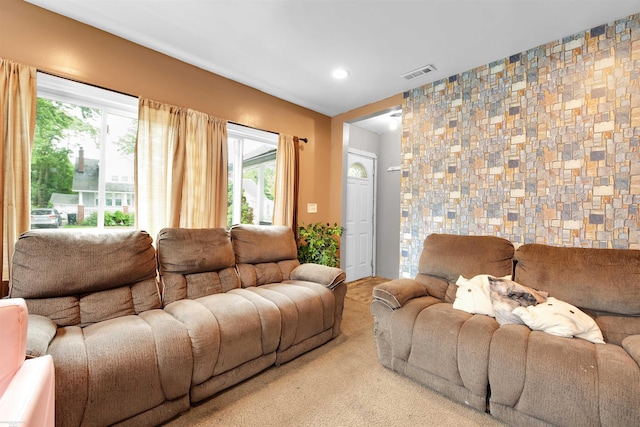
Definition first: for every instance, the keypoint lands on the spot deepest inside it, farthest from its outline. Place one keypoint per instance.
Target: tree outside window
(83, 154)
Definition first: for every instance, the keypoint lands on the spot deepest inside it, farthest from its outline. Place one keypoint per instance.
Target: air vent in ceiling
(418, 72)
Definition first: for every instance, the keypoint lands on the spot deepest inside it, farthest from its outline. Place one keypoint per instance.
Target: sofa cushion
(71, 288)
(437, 287)
(188, 251)
(452, 345)
(264, 254)
(632, 345)
(254, 244)
(307, 309)
(180, 286)
(447, 257)
(94, 307)
(559, 381)
(615, 327)
(115, 369)
(227, 330)
(194, 263)
(59, 263)
(40, 332)
(596, 279)
(65, 311)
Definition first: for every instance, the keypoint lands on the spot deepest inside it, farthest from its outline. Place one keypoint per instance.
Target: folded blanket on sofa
(495, 297)
(473, 295)
(506, 295)
(511, 302)
(562, 319)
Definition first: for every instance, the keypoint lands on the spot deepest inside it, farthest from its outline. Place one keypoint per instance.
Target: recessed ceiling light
(340, 73)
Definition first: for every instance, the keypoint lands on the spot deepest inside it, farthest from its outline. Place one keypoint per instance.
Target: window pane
(83, 156)
(356, 170)
(120, 164)
(234, 152)
(252, 157)
(258, 183)
(61, 129)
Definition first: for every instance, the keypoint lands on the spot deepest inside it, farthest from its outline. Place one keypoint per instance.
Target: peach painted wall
(66, 48)
(339, 147)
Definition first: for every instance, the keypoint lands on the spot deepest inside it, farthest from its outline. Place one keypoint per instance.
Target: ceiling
(288, 48)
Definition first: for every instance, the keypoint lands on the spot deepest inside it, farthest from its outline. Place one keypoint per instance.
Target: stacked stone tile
(538, 147)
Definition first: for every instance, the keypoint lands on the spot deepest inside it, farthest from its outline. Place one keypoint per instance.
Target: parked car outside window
(44, 217)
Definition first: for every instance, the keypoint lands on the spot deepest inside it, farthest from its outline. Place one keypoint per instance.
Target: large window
(252, 172)
(83, 160)
(83, 157)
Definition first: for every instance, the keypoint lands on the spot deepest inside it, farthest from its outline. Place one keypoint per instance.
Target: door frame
(374, 219)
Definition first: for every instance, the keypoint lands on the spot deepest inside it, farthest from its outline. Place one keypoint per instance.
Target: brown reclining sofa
(137, 335)
(521, 376)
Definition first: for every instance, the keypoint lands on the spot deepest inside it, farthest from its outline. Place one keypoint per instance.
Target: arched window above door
(356, 170)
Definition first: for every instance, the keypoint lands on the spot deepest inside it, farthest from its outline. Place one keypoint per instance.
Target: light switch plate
(312, 208)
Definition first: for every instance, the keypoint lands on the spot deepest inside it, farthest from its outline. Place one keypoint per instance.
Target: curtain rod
(305, 140)
(86, 84)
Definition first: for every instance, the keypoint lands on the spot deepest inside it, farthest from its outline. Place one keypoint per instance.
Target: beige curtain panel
(204, 193)
(18, 99)
(181, 168)
(285, 207)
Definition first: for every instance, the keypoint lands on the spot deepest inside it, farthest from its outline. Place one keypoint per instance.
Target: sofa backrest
(603, 282)
(264, 254)
(596, 279)
(195, 262)
(445, 257)
(79, 277)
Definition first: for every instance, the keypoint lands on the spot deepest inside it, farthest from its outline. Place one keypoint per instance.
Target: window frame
(63, 90)
(241, 133)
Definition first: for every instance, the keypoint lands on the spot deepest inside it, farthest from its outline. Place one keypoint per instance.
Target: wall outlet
(312, 208)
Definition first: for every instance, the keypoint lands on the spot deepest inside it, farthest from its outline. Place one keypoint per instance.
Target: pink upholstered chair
(27, 387)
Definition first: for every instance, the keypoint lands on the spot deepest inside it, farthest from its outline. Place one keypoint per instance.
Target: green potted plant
(319, 243)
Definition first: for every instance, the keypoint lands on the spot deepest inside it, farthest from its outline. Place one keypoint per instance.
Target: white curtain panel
(181, 168)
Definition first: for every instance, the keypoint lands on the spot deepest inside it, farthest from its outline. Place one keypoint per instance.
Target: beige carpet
(339, 384)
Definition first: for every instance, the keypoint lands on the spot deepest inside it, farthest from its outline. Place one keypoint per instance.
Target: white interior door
(360, 218)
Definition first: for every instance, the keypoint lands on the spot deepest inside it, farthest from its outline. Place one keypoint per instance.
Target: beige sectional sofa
(248, 304)
(137, 335)
(521, 376)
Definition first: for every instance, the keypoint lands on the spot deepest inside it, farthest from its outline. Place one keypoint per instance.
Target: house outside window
(83, 157)
(251, 180)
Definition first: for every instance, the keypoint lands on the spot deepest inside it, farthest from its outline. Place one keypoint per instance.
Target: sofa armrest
(330, 277)
(40, 332)
(396, 292)
(632, 345)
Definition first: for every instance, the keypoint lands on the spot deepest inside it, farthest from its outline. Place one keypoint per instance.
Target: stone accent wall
(540, 147)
